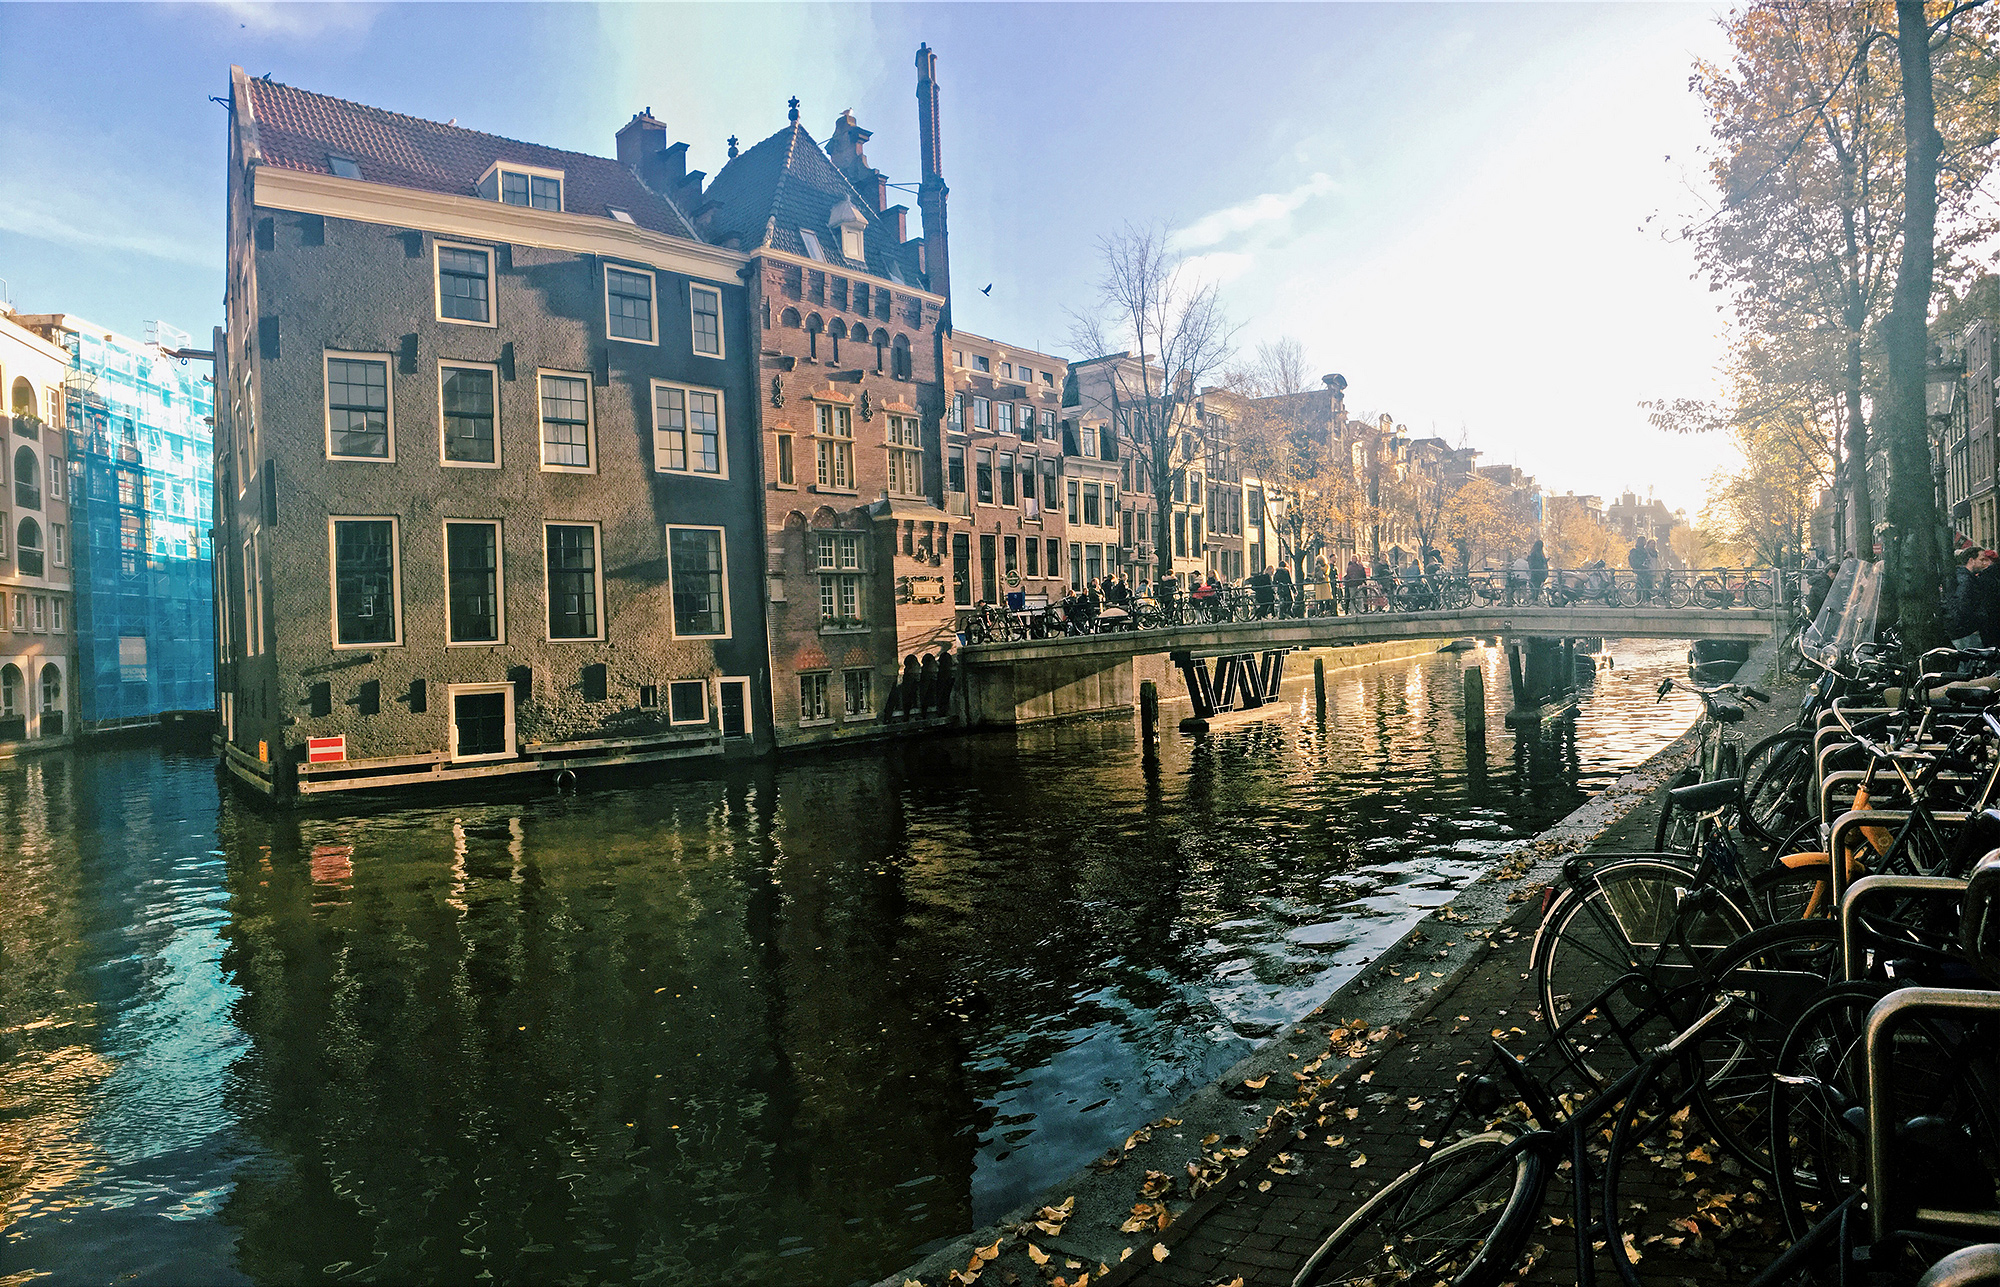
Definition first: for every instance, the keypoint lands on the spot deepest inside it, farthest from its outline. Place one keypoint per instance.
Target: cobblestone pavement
(1692, 1217)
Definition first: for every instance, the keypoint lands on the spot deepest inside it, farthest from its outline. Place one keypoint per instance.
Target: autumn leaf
(1258, 1084)
(1035, 1254)
(1263, 1186)
(981, 1255)
(1632, 1248)
(1353, 1113)
(1335, 1141)
(1360, 1160)
(1159, 1251)
(1209, 1139)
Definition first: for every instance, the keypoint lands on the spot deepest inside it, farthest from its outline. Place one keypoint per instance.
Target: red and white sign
(325, 750)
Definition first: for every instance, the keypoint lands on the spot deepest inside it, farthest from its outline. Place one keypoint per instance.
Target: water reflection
(782, 1024)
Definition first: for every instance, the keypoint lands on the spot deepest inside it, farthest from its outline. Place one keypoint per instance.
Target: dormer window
(622, 216)
(520, 185)
(851, 223)
(343, 167)
(850, 244)
(812, 244)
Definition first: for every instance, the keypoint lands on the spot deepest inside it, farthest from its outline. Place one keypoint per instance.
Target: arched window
(813, 328)
(10, 690)
(27, 479)
(790, 317)
(28, 547)
(900, 367)
(23, 402)
(838, 330)
(881, 349)
(51, 689)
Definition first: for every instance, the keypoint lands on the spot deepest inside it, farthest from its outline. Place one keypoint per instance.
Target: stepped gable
(297, 128)
(785, 183)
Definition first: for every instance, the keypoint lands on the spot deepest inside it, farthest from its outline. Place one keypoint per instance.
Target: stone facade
(37, 605)
(487, 472)
(1011, 467)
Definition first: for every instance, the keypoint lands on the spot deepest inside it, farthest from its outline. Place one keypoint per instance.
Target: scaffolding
(141, 423)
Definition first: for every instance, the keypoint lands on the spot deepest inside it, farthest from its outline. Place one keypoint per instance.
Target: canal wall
(1064, 687)
(1247, 1103)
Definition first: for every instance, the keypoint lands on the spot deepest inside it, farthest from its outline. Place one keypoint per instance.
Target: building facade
(486, 473)
(865, 565)
(1009, 470)
(140, 419)
(37, 544)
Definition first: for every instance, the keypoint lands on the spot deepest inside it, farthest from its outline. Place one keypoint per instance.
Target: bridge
(1019, 681)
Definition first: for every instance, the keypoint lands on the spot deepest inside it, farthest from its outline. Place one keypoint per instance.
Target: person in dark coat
(1538, 570)
(1281, 584)
(1355, 579)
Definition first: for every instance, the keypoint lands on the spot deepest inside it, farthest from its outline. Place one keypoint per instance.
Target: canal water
(771, 1024)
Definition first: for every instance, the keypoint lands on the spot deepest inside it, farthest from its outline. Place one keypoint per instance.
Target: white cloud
(1218, 266)
(1269, 208)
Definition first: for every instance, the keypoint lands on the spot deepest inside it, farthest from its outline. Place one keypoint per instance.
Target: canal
(771, 1024)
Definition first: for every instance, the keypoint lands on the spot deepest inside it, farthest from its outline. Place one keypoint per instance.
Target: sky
(1463, 209)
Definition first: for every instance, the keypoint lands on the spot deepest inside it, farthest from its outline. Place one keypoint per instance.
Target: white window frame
(333, 583)
(328, 356)
(59, 544)
(721, 341)
(652, 296)
(722, 547)
(858, 717)
(494, 172)
(253, 617)
(589, 421)
(437, 284)
(492, 369)
(596, 571)
(832, 713)
(56, 613)
(707, 706)
(452, 693)
(749, 724)
(499, 581)
(57, 477)
(721, 431)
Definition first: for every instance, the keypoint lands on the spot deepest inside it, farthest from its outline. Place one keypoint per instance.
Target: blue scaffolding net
(141, 442)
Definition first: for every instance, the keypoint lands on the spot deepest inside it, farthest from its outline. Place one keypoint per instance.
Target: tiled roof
(786, 183)
(296, 130)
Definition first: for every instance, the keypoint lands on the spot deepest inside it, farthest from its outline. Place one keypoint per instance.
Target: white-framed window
(533, 186)
(906, 460)
(705, 316)
(857, 690)
(567, 429)
(981, 411)
(41, 614)
(813, 708)
(56, 611)
(59, 544)
(697, 564)
(687, 701)
(628, 305)
(1003, 418)
(1048, 424)
(366, 583)
(482, 721)
(469, 412)
(787, 471)
(687, 430)
(253, 598)
(360, 415)
(465, 284)
(56, 477)
(475, 593)
(842, 601)
(573, 580)
(980, 362)
(835, 446)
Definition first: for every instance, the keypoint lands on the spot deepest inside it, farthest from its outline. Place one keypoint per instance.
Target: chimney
(899, 219)
(844, 149)
(932, 193)
(642, 148)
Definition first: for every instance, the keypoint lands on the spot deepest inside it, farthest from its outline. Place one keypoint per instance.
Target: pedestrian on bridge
(1641, 562)
(1538, 571)
(1355, 579)
(1281, 586)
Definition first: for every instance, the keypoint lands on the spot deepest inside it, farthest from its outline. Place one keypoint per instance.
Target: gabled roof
(772, 190)
(297, 130)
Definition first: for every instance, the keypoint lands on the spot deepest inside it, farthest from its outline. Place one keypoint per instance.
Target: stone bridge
(1022, 681)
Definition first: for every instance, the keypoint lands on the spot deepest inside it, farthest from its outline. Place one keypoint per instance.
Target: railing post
(1319, 686)
(1475, 705)
(1149, 717)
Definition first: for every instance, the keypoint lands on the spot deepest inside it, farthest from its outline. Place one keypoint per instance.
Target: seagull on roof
(987, 289)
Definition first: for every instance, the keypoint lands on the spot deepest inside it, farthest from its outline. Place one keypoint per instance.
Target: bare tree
(1278, 368)
(1173, 329)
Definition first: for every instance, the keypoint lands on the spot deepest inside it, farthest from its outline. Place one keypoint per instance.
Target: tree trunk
(1860, 507)
(1914, 580)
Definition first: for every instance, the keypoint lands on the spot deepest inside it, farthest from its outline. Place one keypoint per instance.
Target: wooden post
(1475, 704)
(1319, 686)
(1149, 716)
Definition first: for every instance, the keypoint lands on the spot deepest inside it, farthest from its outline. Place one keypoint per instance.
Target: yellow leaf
(1124, 1255)
(1035, 1254)
(1257, 1084)
(1632, 1248)
(1159, 1251)
(1135, 1224)
(1335, 1141)
(1424, 1143)
(1263, 1186)
(1700, 1155)
(1366, 1077)
(1072, 1264)
(988, 1253)
(1209, 1139)
(1360, 1160)
(1353, 1113)
(1049, 1227)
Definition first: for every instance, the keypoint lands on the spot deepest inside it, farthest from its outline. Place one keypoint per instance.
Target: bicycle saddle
(1703, 796)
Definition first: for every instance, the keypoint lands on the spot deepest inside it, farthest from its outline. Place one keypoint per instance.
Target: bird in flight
(987, 289)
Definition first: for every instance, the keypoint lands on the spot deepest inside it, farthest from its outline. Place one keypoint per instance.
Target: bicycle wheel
(1677, 594)
(1708, 593)
(1777, 775)
(1459, 1217)
(1757, 594)
(1816, 1158)
(1627, 594)
(1612, 945)
(1674, 833)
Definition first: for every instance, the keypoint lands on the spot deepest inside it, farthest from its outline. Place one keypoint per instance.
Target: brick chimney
(643, 148)
(844, 149)
(932, 193)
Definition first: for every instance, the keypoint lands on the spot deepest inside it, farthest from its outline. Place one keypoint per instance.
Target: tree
(1173, 326)
(1287, 442)
(1572, 536)
(1695, 546)
(1484, 516)
(1762, 513)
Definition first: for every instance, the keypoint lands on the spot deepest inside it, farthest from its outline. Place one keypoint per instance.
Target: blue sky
(1447, 204)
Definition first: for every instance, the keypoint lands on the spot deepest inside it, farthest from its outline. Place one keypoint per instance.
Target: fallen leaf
(1159, 1251)
(1124, 1255)
(1632, 1248)
(1353, 1113)
(1700, 1155)
(1209, 1139)
(983, 1254)
(1258, 1084)
(1035, 1254)
(1424, 1143)
(1360, 1160)
(1335, 1141)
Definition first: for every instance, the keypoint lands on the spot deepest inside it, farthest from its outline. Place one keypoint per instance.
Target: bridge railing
(1712, 589)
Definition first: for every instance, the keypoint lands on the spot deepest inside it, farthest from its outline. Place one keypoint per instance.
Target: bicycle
(1718, 753)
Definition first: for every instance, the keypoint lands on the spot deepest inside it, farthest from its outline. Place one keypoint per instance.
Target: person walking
(1538, 571)
(1355, 579)
(1281, 587)
(1640, 560)
(1967, 598)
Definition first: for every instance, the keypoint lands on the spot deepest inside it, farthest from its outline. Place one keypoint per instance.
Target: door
(735, 702)
(989, 590)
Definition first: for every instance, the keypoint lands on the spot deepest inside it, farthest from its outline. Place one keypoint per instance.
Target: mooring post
(1149, 715)
(1319, 686)
(1475, 705)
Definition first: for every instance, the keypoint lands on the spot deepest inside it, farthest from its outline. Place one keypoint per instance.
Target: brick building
(487, 482)
(847, 316)
(1005, 470)
(37, 604)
